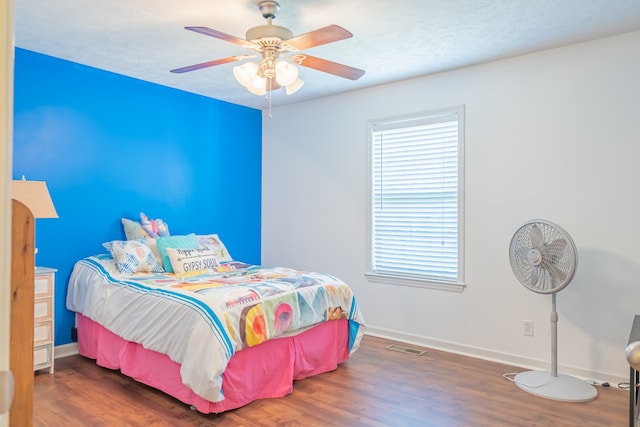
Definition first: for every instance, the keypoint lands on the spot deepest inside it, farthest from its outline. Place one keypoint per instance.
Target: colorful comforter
(199, 320)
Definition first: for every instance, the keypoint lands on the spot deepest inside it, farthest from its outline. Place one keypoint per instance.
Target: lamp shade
(294, 87)
(258, 86)
(286, 73)
(245, 73)
(35, 196)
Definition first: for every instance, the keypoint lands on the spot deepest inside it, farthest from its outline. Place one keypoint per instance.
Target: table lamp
(35, 196)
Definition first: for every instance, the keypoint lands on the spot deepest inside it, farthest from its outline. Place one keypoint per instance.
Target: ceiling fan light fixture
(294, 87)
(258, 85)
(286, 73)
(245, 73)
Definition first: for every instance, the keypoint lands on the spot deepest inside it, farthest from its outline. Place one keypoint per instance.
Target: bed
(215, 336)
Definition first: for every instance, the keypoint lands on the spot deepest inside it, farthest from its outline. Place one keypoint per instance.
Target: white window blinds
(415, 203)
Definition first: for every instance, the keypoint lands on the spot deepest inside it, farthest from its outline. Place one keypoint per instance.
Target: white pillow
(192, 260)
(212, 241)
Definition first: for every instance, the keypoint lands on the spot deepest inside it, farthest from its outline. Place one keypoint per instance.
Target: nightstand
(44, 288)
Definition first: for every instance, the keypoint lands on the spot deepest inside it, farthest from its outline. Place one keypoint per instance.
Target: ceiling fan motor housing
(268, 34)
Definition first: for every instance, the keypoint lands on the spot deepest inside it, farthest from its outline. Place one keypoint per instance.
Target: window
(415, 222)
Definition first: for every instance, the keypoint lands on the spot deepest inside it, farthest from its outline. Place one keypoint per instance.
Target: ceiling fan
(278, 49)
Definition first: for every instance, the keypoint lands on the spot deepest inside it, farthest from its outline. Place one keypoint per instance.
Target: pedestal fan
(544, 258)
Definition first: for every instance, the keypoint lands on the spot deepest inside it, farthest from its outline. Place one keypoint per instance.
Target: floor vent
(407, 350)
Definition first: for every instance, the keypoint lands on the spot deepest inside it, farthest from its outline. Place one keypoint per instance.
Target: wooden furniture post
(21, 329)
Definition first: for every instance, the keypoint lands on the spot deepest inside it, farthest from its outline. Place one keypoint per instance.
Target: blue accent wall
(111, 146)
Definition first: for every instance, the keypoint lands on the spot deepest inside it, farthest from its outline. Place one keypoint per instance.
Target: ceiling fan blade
(211, 63)
(222, 36)
(328, 66)
(324, 35)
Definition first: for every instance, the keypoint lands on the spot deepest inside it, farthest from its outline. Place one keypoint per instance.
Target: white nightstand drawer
(42, 332)
(43, 285)
(42, 309)
(42, 356)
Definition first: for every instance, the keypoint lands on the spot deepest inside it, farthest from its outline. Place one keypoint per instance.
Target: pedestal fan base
(563, 387)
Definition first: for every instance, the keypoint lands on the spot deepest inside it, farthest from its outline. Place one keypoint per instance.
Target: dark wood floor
(376, 387)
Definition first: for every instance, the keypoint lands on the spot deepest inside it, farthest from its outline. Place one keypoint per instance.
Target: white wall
(552, 135)
(6, 131)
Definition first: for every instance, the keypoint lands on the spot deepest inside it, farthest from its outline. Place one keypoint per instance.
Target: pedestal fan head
(543, 256)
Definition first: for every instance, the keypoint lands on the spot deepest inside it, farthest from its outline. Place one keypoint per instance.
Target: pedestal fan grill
(544, 259)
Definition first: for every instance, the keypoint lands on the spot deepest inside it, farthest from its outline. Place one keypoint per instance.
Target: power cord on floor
(511, 376)
(622, 385)
(603, 384)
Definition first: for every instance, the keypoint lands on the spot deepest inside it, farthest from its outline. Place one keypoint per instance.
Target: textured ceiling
(391, 41)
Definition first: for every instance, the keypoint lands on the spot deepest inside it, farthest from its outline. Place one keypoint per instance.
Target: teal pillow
(189, 241)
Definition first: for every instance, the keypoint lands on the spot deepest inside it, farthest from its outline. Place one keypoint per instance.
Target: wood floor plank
(375, 388)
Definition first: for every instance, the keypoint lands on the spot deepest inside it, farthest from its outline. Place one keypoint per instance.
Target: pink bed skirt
(264, 371)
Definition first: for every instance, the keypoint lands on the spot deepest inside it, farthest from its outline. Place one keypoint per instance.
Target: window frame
(405, 279)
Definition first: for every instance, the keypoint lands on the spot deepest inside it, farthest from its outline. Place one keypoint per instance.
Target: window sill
(416, 283)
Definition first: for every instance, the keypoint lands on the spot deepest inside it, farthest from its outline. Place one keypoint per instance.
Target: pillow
(212, 241)
(188, 241)
(192, 260)
(151, 242)
(133, 256)
(133, 230)
(153, 227)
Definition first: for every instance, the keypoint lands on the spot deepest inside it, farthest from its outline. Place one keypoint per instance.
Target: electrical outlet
(527, 327)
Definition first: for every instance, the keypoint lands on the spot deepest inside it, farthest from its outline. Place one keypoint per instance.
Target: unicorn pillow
(154, 227)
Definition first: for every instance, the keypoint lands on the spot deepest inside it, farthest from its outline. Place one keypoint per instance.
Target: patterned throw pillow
(192, 260)
(133, 256)
(212, 241)
(188, 241)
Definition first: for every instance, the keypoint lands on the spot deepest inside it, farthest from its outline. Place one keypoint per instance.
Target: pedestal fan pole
(554, 337)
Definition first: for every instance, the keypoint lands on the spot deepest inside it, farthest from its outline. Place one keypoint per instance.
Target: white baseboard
(493, 356)
(65, 350)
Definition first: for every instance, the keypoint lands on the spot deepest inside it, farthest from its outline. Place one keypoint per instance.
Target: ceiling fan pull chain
(269, 95)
